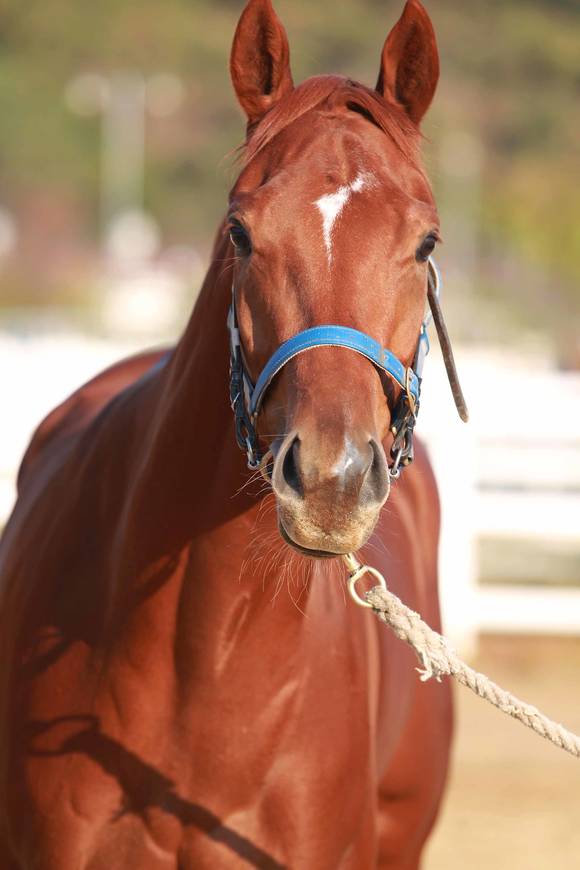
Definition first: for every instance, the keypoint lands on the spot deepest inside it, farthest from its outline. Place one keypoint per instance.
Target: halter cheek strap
(246, 398)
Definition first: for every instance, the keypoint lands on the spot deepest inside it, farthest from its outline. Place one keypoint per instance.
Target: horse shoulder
(81, 407)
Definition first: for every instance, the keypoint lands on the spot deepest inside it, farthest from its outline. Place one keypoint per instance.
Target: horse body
(178, 687)
(136, 737)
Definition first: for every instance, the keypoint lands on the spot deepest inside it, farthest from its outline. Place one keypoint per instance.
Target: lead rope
(439, 660)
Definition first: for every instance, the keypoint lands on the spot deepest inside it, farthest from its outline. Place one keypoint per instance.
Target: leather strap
(333, 336)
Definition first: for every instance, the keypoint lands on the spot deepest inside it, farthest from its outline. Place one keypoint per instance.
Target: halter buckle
(403, 429)
(410, 397)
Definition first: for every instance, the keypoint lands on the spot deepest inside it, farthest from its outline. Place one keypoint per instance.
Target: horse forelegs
(411, 791)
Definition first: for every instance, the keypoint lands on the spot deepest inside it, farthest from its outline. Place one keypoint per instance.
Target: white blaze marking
(332, 205)
(360, 182)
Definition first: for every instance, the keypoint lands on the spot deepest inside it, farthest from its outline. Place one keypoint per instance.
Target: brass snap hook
(355, 572)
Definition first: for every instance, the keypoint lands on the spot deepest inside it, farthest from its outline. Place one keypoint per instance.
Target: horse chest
(231, 779)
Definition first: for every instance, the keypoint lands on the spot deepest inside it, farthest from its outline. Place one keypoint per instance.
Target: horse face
(332, 222)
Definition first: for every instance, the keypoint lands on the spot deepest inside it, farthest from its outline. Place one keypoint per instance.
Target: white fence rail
(37, 373)
(512, 474)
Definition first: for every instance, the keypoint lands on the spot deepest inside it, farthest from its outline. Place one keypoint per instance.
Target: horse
(183, 681)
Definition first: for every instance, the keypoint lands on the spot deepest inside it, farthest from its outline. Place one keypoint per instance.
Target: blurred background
(118, 132)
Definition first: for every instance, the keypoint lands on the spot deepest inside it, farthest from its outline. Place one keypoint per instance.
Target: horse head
(332, 221)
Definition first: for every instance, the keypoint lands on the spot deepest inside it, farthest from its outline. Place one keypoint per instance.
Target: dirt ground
(514, 800)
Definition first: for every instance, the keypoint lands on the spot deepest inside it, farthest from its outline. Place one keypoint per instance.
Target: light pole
(123, 100)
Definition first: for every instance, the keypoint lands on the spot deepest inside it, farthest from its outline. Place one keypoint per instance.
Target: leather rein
(246, 397)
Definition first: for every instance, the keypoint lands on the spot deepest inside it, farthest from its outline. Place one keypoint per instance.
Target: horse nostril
(303, 470)
(377, 477)
(290, 467)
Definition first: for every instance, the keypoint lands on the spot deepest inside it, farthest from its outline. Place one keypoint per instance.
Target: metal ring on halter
(254, 460)
(356, 571)
(395, 469)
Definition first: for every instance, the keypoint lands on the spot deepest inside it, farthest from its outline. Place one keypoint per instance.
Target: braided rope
(438, 660)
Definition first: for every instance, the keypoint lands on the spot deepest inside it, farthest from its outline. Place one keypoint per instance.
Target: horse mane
(335, 91)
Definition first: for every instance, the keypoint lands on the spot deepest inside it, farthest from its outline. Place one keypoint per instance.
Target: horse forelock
(335, 91)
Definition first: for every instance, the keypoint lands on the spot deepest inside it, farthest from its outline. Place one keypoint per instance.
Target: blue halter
(246, 398)
(333, 336)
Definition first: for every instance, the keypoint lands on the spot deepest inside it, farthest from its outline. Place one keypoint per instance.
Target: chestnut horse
(184, 683)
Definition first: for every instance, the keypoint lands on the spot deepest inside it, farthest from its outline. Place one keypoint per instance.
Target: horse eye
(426, 248)
(240, 239)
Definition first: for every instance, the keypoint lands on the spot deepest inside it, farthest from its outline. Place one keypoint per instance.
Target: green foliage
(510, 75)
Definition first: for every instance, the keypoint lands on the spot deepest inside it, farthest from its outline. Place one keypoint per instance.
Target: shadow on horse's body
(178, 688)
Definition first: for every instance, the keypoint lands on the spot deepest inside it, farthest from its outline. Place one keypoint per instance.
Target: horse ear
(410, 62)
(260, 61)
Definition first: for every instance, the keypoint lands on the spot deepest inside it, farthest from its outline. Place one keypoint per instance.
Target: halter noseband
(246, 398)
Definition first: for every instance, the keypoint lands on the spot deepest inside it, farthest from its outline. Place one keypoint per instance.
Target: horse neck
(189, 456)
(189, 552)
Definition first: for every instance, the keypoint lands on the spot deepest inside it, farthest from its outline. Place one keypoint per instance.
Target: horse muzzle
(329, 498)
